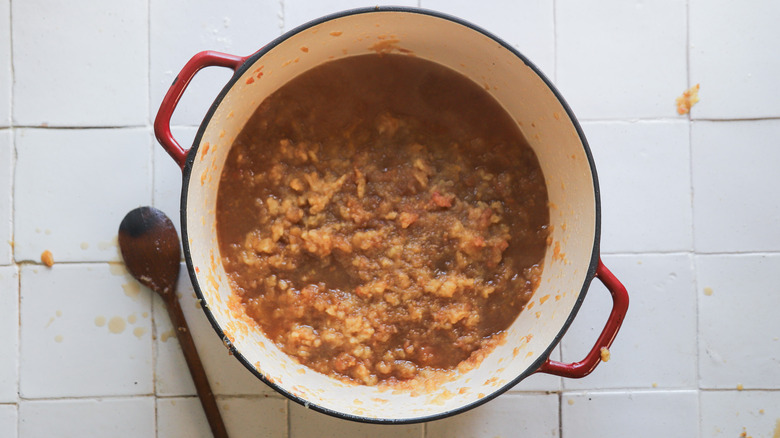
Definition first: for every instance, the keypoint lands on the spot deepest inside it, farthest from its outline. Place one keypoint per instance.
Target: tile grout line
(151, 199)
(555, 41)
(149, 124)
(66, 398)
(11, 52)
(688, 118)
(734, 390)
(696, 389)
(693, 252)
(83, 128)
(288, 424)
(280, 16)
(14, 160)
(694, 259)
(560, 414)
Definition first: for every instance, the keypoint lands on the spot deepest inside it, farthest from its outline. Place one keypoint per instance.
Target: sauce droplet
(100, 321)
(164, 337)
(116, 325)
(132, 289)
(117, 269)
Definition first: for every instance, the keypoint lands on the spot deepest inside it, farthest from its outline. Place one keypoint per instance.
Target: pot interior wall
(540, 116)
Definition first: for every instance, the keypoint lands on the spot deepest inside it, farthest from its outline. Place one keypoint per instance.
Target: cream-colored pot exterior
(545, 121)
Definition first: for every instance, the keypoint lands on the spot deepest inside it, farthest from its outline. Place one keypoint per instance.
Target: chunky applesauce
(380, 216)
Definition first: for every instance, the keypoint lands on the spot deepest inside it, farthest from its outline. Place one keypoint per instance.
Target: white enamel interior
(541, 118)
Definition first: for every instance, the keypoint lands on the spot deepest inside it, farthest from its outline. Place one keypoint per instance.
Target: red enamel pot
(571, 263)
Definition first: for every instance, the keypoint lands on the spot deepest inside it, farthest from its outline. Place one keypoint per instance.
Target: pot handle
(162, 123)
(619, 307)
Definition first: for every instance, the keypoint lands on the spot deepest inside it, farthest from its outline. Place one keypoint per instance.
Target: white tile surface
(630, 414)
(8, 420)
(736, 186)
(646, 353)
(9, 334)
(306, 423)
(70, 349)
(621, 59)
(226, 374)
(244, 417)
(6, 192)
(738, 67)
(73, 187)
(648, 211)
(181, 28)
(80, 63)
(500, 418)
(5, 62)
(740, 414)
(297, 12)
(739, 331)
(528, 26)
(128, 418)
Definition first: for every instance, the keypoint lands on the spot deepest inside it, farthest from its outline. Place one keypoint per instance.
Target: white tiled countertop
(691, 218)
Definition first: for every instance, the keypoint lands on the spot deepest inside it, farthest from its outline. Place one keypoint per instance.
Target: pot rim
(187, 173)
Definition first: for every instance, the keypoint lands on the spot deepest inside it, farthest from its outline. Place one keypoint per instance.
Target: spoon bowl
(150, 247)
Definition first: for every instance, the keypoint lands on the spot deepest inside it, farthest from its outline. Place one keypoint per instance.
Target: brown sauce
(381, 216)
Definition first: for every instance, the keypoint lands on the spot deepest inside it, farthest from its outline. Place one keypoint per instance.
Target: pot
(546, 121)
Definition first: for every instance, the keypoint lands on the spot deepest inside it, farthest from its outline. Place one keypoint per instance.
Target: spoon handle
(196, 367)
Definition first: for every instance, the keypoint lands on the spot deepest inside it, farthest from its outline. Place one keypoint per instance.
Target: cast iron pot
(571, 262)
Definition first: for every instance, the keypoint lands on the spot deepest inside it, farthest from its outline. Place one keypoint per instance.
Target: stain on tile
(132, 289)
(166, 335)
(116, 325)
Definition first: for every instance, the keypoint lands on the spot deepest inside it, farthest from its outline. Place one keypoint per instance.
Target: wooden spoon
(150, 248)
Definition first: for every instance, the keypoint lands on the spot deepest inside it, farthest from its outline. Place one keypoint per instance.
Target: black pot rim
(187, 171)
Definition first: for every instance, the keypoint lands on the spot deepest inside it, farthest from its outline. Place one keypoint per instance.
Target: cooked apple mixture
(381, 215)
